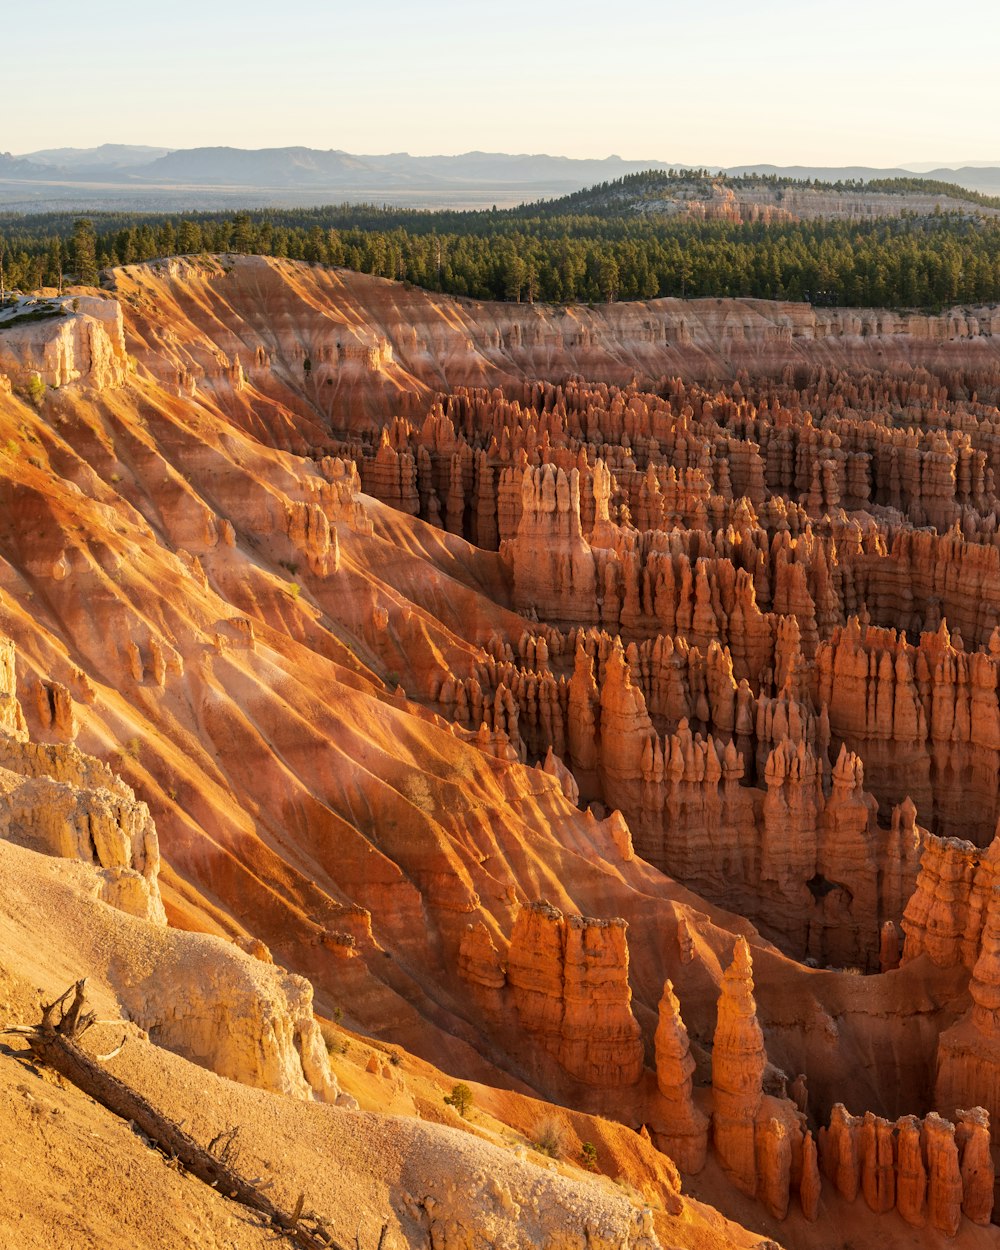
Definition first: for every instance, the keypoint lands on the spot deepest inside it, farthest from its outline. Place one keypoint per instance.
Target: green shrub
(36, 389)
(460, 1098)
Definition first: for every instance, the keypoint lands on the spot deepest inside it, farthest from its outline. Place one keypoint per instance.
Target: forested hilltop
(589, 247)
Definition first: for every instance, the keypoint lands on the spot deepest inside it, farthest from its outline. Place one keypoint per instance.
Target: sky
(713, 82)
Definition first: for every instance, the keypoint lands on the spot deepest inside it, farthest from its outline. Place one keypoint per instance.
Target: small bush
(133, 748)
(460, 1098)
(36, 389)
(294, 589)
(588, 1156)
(549, 1137)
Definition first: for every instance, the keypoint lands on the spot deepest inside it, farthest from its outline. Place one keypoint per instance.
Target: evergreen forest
(589, 247)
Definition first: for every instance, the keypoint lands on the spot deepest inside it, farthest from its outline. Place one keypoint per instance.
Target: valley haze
(119, 176)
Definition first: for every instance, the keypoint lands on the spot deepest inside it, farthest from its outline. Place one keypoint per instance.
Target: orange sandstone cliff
(597, 706)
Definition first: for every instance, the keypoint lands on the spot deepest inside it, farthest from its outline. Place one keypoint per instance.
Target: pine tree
(85, 251)
(243, 233)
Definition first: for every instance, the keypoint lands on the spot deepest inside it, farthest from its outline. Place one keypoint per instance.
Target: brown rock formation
(810, 1185)
(968, 1055)
(944, 1177)
(554, 572)
(774, 1154)
(683, 1129)
(842, 1159)
(61, 803)
(568, 978)
(738, 1062)
(480, 964)
(972, 1135)
(911, 1182)
(740, 648)
(878, 1163)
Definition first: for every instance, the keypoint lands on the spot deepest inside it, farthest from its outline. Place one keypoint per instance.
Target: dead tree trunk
(53, 1042)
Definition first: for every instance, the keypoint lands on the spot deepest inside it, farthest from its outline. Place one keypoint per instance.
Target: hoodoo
(529, 768)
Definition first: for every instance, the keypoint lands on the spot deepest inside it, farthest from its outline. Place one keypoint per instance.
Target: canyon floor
(596, 706)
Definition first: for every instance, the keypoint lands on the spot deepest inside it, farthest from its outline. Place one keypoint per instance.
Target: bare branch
(53, 1042)
(111, 1053)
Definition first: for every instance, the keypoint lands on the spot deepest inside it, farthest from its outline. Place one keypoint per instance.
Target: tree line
(529, 254)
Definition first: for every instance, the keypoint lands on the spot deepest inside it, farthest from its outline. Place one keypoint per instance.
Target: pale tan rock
(244, 1019)
(109, 830)
(12, 722)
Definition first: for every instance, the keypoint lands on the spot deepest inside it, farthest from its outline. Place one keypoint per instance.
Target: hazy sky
(876, 82)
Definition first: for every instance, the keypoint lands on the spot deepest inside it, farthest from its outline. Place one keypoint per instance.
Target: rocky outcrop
(968, 1054)
(57, 801)
(738, 1063)
(553, 566)
(947, 912)
(800, 857)
(944, 1177)
(927, 1170)
(680, 1128)
(12, 723)
(911, 1177)
(719, 569)
(112, 832)
(244, 1019)
(481, 965)
(568, 980)
(84, 341)
(972, 1135)
(759, 1139)
(810, 1185)
(919, 713)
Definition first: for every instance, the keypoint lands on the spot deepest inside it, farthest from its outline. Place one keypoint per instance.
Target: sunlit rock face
(597, 704)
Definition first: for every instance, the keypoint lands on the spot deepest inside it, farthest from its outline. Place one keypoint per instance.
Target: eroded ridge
(631, 745)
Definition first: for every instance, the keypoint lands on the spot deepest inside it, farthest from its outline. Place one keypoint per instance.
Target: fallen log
(55, 1043)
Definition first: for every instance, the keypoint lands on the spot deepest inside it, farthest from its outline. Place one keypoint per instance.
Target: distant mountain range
(137, 177)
